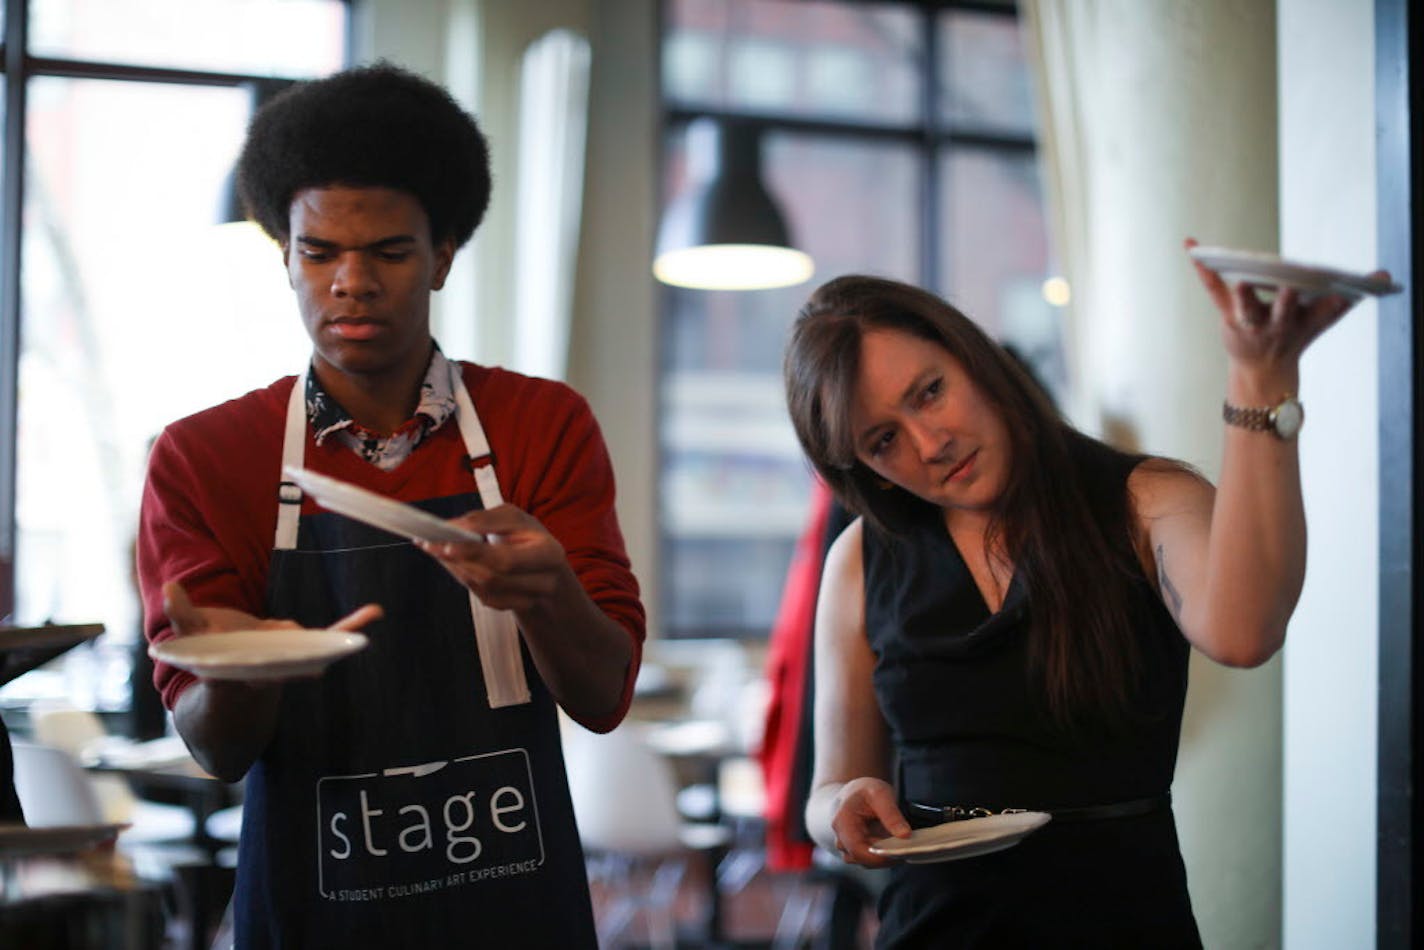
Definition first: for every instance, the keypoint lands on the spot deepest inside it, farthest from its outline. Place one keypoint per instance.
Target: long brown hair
(1083, 644)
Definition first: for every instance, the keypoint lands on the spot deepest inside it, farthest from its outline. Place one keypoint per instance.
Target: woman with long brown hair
(1006, 625)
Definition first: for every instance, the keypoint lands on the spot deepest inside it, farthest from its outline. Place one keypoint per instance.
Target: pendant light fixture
(725, 231)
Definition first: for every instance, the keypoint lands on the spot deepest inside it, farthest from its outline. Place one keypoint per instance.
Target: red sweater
(209, 512)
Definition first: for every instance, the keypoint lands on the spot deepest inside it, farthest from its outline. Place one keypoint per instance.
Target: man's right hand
(227, 723)
(187, 618)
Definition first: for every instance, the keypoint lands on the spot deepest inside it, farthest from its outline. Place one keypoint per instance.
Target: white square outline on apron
(423, 769)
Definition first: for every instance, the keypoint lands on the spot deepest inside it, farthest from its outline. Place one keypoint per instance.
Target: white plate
(17, 839)
(258, 654)
(377, 510)
(954, 840)
(1257, 268)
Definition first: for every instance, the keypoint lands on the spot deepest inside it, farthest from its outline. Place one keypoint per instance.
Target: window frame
(930, 136)
(17, 68)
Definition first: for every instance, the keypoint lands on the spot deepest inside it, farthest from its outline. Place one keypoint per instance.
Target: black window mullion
(93, 69)
(12, 193)
(929, 154)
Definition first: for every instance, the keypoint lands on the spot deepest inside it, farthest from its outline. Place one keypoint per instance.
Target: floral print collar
(384, 450)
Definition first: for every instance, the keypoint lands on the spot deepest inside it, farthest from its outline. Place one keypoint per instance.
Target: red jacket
(788, 666)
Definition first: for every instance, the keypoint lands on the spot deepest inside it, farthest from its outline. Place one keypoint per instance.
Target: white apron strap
(496, 633)
(294, 443)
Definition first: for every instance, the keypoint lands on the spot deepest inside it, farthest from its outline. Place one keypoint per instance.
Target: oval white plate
(954, 840)
(258, 654)
(1255, 267)
(356, 502)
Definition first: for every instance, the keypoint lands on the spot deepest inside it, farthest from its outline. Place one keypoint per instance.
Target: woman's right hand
(865, 811)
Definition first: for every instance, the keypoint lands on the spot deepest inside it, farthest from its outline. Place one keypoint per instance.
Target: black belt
(1127, 809)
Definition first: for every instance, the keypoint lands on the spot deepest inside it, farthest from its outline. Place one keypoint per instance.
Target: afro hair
(374, 126)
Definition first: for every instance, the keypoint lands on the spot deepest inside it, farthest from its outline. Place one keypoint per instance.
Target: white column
(613, 356)
(1328, 203)
(1165, 116)
(475, 48)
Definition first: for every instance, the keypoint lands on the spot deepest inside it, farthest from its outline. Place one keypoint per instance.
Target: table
(200, 792)
(90, 900)
(205, 889)
(26, 648)
(734, 798)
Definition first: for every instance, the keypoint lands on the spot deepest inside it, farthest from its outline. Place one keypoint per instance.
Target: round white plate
(1257, 268)
(377, 510)
(258, 654)
(954, 840)
(17, 839)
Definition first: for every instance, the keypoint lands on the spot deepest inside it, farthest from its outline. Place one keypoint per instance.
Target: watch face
(1287, 418)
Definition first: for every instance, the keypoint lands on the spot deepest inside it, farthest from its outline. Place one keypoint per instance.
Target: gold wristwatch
(1283, 420)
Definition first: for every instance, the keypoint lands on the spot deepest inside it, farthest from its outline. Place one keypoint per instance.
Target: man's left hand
(517, 569)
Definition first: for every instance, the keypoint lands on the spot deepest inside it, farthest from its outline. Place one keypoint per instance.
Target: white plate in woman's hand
(1254, 267)
(954, 840)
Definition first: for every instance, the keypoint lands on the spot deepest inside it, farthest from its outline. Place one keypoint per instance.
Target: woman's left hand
(1269, 335)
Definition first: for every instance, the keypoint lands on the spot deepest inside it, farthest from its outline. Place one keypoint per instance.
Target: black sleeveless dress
(971, 727)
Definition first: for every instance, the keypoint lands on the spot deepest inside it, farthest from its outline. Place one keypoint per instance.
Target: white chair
(62, 726)
(53, 789)
(624, 798)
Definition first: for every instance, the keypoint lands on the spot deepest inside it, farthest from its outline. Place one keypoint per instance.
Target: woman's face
(921, 423)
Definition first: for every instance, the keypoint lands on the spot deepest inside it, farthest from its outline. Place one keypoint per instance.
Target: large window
(127, 301)
(898, 139)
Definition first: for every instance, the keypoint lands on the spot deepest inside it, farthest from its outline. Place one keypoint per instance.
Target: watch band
(1255, 418)
(1283, 420)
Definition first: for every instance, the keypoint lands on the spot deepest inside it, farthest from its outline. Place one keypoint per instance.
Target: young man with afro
(413, 794)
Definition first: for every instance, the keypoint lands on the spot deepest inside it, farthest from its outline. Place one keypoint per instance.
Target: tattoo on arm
(1170, 596)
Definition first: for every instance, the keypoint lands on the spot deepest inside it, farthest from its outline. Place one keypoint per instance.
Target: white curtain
(553, 117)
(1158, 122)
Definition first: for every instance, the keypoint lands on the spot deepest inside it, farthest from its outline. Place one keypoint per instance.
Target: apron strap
(294, 443)
(496, 633)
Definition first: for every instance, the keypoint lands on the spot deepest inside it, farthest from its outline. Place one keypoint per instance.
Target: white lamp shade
(725, 232)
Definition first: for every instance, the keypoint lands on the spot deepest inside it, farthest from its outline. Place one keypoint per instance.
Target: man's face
(363, 266)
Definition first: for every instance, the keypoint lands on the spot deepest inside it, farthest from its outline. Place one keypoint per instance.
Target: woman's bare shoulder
(1160, 486)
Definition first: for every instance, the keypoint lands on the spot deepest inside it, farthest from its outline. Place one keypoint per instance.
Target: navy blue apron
(409, 798)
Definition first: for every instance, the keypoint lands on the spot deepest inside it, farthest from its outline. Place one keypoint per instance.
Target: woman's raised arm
(1230, 562)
